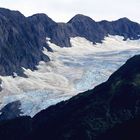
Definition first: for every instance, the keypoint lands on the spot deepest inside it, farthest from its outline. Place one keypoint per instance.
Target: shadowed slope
(87, 115)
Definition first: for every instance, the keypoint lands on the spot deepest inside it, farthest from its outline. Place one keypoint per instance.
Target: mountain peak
(124, 19)
(18, 30)
(41, 16)
(80, 17)
(5, 10)
(8, 12)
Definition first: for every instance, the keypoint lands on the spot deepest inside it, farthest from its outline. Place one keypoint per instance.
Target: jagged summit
(6, 10)
(40, 17)
(22, 38)
(120, 19)
(125, 19)
(80, 18)
(11, 13)
(19, 44)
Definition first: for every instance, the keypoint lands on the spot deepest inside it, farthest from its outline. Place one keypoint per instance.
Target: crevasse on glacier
(70, 71)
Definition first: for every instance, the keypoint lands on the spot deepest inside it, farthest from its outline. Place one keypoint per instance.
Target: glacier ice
(70, 71)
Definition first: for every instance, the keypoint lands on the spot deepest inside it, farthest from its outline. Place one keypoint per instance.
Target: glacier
(71, 70)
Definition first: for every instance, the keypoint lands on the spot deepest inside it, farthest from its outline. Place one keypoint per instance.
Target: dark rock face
(22, 39)
(19, 128)
(122, 27)
(41, 25)
(89, 115)
(19, 45)
(128, 130)
(0, 85)
(88, 28)
(95, 32)
(10, 111)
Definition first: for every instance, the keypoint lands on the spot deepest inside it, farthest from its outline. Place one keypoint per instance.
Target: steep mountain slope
(129, 130)
(22, 38)
(122, 27)
(19, 45)
(11, 110)
(87, 115)
(93, 112)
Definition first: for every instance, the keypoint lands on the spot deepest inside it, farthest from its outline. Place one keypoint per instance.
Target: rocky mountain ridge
(22, 38)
